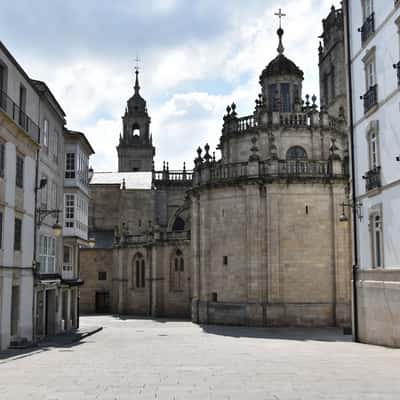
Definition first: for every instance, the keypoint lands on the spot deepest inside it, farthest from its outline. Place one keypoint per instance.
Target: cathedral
(250, 237)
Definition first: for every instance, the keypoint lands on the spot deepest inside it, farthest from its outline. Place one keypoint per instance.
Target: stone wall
(93, 261)
(378, 299)
(272, 254)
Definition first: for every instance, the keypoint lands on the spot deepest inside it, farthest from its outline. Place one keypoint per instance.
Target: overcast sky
(197, 56)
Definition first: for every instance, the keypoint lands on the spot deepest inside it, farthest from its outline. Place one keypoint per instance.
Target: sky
(196, 57)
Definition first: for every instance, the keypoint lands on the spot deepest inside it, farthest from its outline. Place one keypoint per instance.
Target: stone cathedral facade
(252, 237)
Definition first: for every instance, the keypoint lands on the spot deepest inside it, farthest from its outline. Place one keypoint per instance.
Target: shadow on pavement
(138, 318)
(66, 340)
(298, 334)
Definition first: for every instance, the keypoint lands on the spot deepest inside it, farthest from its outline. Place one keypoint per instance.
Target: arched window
(135, 130)
(296, 153)
(179, 225)
(138, 275)
(177, 271)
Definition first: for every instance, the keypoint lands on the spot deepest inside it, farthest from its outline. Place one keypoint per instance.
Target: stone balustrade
(173, 177)
(214, 173)
(311, 118)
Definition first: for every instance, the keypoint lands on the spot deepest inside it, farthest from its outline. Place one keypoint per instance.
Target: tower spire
(137, 86)
(280, 31)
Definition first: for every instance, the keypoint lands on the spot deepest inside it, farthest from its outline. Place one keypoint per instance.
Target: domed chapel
(252, 237)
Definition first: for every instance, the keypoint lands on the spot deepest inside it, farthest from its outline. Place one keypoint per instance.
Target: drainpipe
(35, 228)
(353, 170)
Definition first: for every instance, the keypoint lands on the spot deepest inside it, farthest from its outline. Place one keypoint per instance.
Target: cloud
(197, 57)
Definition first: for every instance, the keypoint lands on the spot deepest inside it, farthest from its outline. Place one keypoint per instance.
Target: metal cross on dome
(280, 15)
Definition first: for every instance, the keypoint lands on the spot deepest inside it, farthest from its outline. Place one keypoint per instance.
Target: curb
(87, 334)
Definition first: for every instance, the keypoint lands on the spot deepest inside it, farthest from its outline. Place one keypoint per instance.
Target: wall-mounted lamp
(356, 207)
(92, 243)
(90, 174)
(41, 214)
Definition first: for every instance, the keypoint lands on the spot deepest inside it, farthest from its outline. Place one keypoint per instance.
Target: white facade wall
(385, 44)
(16, 265)
(377, 288)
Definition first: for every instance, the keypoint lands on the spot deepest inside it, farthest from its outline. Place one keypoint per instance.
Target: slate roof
(133, 180)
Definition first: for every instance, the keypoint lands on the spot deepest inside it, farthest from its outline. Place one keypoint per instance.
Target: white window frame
(376, 238)
(369, 61)
(44, 192)
(54, 146)
(47, 254)
(69, 210)
(46, 135)
(367, 8)
(70, 170)
(373, 145)
(68, 265)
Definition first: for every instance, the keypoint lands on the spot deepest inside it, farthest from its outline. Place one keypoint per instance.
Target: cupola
(281, 81)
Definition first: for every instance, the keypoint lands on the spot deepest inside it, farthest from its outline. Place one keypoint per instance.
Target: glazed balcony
(368, 28)
(19, 116)
(373, 179)
(370, 98)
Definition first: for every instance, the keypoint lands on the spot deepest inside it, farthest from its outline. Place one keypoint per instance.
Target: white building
(75, 224)
(49, 247)
(373, 56)
(19, 135)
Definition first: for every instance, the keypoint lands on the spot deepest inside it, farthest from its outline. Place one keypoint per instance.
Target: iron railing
(368, 28)
(397, 67)
(370, 98)
(373, 179)
(19, 116)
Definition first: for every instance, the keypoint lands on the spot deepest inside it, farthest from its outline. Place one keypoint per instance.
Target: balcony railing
(243, 124)
(296, 168)
(275, 168)
(294, 119)
(370, 98)
(373, 179)
(19, 116)
(175, 177)
(368, 28)
(397, 67)
(226, 172)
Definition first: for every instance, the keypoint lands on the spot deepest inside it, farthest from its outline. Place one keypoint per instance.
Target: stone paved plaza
(147, 359)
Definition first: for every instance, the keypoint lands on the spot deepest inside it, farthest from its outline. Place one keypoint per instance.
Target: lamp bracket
(43, 213)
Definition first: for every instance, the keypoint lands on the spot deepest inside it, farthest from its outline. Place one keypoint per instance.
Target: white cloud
(186, 112)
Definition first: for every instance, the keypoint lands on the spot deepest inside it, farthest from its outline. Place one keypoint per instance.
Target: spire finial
(137, 86)
(280, 15)
(280, 31)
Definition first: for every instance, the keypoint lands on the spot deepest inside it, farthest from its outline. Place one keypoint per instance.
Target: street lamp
(356, 207)
(90, 174)
(92, 243)
(41, 214)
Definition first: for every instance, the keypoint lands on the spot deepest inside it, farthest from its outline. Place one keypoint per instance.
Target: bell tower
(135, 149)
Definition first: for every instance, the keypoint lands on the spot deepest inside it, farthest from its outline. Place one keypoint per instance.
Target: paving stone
(146, 359)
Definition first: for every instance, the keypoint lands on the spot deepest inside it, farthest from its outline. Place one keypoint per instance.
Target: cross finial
(137, 61)
(280, 15)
